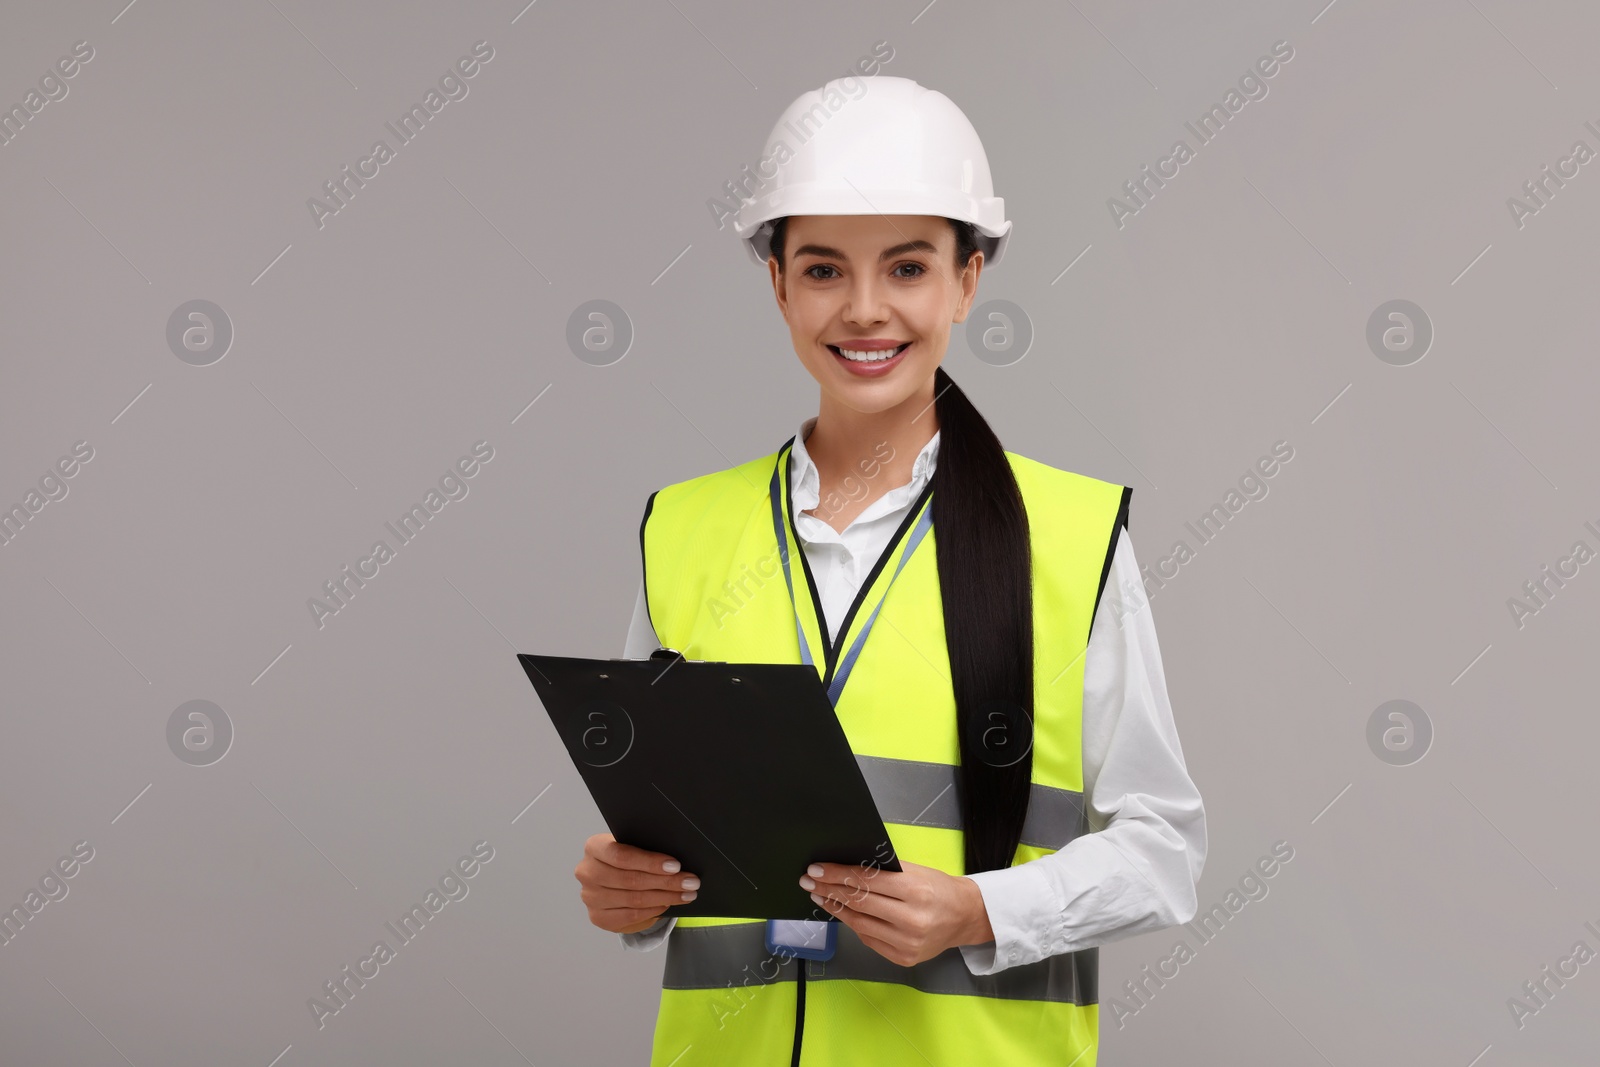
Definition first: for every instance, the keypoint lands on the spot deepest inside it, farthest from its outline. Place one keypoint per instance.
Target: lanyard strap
(846, 665)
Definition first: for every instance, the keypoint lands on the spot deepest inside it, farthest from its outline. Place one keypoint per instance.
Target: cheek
(930, 315)
(809, 315)
(934, 334)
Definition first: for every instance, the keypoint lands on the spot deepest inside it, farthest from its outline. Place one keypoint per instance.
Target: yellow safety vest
(715, 590)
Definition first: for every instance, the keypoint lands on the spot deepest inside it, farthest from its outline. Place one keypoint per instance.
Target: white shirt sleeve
(641, 642)
(1138, 869)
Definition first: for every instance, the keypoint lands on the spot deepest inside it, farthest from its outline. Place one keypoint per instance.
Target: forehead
(866, 234)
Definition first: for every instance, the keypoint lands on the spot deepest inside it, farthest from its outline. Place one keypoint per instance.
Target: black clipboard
(739, 770)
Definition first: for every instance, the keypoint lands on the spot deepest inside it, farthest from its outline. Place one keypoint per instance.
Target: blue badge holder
(808, 949)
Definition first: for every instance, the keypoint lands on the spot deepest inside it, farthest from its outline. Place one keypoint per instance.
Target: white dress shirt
(1137, 871)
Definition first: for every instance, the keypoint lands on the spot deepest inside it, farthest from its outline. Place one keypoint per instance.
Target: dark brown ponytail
(986, 587)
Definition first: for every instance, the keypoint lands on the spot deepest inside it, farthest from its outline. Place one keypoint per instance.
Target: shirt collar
(805, 481)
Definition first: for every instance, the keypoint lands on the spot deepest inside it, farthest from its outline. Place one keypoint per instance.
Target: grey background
(1228, 314)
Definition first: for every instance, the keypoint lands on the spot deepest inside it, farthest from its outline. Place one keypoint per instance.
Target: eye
(817, 267)
(918, 267)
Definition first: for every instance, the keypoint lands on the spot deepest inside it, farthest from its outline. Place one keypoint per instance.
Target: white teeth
(871, 357)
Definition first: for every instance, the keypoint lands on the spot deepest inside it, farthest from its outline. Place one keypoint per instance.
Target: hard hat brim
(993, 247)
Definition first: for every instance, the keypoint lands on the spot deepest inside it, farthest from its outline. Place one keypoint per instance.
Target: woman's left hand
(905, 916)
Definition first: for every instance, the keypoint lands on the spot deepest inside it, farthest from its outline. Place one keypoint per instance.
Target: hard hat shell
(868, 146)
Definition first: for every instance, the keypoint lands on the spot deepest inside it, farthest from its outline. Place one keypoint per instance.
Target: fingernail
(806, 883)
(816, 898)
(691, 882)
(815, 870)
(671, 866)
(690, 896)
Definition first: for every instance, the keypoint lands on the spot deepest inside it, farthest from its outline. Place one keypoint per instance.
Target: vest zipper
(799, 1010)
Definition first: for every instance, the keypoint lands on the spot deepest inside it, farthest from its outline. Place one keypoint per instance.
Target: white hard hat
(877, 145)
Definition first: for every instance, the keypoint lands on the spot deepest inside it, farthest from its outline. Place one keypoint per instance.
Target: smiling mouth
(875, 356)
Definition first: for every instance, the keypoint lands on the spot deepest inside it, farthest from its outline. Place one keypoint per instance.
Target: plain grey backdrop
(1174, 343)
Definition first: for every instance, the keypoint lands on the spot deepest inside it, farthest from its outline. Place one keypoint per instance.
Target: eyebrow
(887, 253)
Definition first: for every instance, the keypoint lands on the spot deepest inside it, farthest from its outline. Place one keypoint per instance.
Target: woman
(1009, 711)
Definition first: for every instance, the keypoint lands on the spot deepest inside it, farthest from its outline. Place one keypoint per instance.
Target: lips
(869, 352)
(874, 358)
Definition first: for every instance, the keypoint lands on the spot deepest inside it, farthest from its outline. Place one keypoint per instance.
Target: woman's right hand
(626, 888)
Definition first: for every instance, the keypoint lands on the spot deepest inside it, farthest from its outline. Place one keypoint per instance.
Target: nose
(867, 303)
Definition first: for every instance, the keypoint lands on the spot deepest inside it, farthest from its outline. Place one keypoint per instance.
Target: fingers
(886, 937)
(871, 929)
(625, 920)
(603, 875)
(626, 888)
(607, 849)
(858, 902)
(638, 927)
(833, 885)
(625, 910)
(608, 864)
(655, 901)
(848, 882)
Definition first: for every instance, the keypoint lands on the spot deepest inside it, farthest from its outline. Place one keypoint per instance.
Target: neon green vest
(715, 590)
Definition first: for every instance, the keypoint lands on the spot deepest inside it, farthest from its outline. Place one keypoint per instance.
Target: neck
(844, 442)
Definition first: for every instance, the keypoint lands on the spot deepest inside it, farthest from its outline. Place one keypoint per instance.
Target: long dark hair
(986, 589)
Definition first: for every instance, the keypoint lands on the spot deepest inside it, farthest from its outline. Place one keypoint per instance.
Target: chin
(870, 398)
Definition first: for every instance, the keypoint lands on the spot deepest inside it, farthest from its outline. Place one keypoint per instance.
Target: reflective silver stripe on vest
(924, 794)
(735, 954)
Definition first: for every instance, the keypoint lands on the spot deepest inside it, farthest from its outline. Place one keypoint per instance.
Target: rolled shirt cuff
(651, 936)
